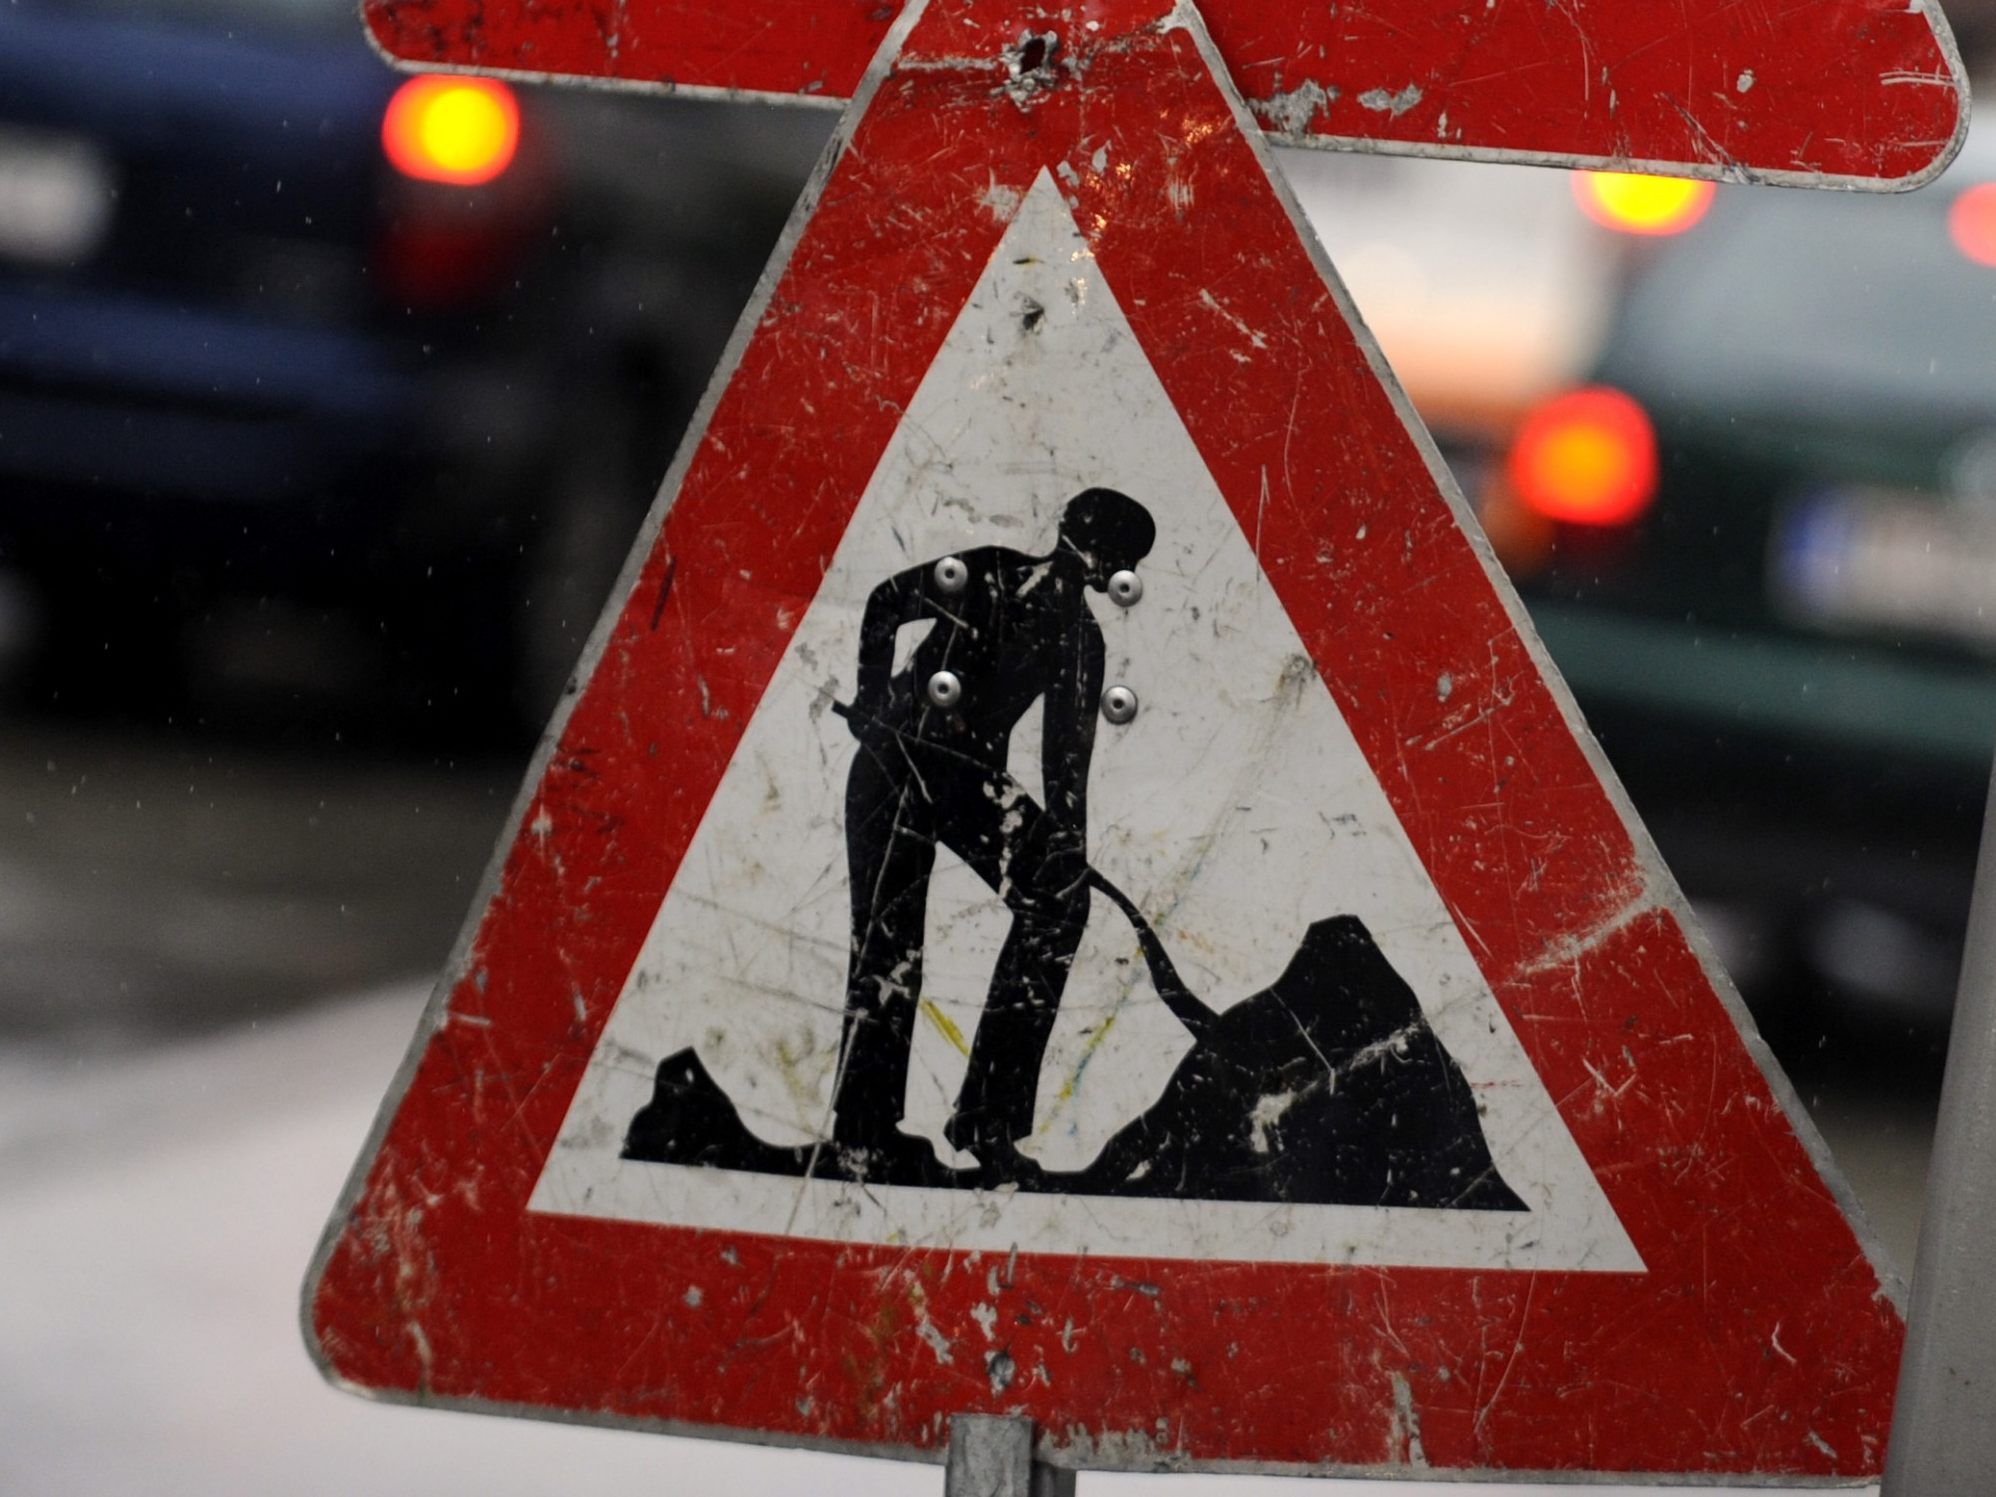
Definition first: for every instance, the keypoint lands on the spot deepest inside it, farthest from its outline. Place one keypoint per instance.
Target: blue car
(281, 329)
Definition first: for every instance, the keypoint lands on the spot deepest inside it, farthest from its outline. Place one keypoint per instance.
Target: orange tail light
(462, 131)
(1635, 203)
(1587, 457)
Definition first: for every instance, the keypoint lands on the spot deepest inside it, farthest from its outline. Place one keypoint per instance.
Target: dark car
(280, 333)
(1761, 546)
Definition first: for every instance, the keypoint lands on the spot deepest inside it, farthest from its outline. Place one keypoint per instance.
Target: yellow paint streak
(1074, 1076)
(1088, 1052)
(802, 1089)
(944, 1026)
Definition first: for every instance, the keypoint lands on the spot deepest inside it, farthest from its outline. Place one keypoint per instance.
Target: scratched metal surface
(1684, 1291)
(1861, 93)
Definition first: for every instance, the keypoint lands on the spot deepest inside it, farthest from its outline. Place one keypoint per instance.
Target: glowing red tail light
(461, 131)
(1587, 457)
(1971, 223)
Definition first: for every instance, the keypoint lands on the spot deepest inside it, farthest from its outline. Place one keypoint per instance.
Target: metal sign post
(991, 1455)
(1943, 1435)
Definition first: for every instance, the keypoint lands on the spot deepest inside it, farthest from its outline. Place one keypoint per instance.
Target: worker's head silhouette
(1108, 530)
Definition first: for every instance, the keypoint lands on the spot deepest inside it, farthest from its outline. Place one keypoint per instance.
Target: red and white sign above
(1858, 92)
(1071, 889)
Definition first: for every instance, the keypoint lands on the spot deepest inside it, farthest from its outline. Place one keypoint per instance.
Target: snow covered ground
(156, 1216)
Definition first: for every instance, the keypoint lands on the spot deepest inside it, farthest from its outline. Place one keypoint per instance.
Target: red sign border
(1602, 930)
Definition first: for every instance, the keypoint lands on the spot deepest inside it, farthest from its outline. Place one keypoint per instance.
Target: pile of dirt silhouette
(1325, 1088)
(690, 1120)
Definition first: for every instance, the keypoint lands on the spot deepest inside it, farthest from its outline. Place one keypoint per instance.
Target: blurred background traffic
(332, 399)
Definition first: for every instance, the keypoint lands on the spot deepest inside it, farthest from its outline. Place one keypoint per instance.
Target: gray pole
(991, 1455)
(1944, 1431)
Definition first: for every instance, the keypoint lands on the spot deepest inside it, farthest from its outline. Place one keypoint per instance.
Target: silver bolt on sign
(1119, 704)
(1126, 588)
(951, 574)
(945, 690)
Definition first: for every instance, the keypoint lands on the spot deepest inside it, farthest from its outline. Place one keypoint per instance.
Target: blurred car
(281, 330)
(1758, 536)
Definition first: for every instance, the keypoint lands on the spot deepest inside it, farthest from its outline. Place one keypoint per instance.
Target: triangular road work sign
(1068, 887)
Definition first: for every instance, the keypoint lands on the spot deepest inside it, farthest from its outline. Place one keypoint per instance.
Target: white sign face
(1234, 810)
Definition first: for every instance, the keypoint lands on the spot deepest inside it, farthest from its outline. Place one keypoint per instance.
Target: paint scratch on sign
(986, 1316)
(1607, 1091)
(937, 1342)
(1569, 949)
(1117, 1449)
(1404, 1426)
(1774, 1340)
(1207, 299)
(1485, 1405)
(1268, 1111)
(1001, 1369)
(397, 1235)
(1380, 101)
(1000, 201)
(614, 33)
(1708, 146)
(420, 1339)
(1292, 110)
